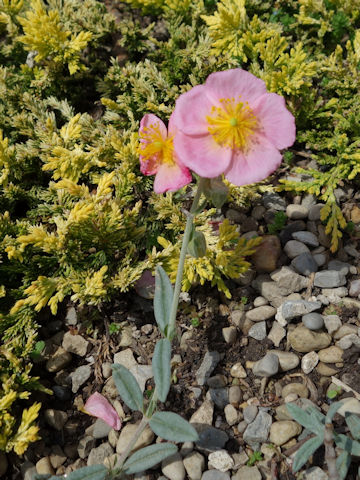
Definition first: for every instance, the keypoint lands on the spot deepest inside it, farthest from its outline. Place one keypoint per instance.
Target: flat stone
(305, 264)
(354, 290)
(268, 289)
(331, 354)
(329, 279)
(299, 388)
(44, 467)
(194, 464)
(267, 254)
(99, 454)
(60, 360)
(295, 308)
(250, 413)
(314, 211)
(282, 431)
(142, 373)
(101, 429)
(277, 333)
(261, 313)
(306, 237)
(267, 366)
(313, 321)
(204, 414)
(293, 248)
(339, 266)
(247, 473)
(229, 334)
(325, 370)
(288, 280)
(231, 414)
(173, 468)
(79, 377)
(210, 438)
(75, 344)
(315, 473)
(125, 358)
(126, 434)
(220, 460)
(309, 362)
(273, 201)
(287, 360)
(304, 340)
(297, 212)
(215, 475)
(258, 431)
(332, 323)
(208, 365)
(55, 418)
(258, 331)
(320, 259)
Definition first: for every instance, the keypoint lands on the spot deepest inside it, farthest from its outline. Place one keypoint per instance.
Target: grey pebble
(258, 430)
(273, 201)
(339, 266)
(314, 211)
(208, 365)
(220, 396)
(293, 248)
(313, 321)
(297, 212)
(210, 438)
(267, 366)
(329, 279)
(305, 263)
(258, 331)
(215, 475)
(306, 237)
(79, 377)
(295, 308)
(250, 413)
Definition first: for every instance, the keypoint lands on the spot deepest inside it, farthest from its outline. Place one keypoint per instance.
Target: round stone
(287, 360)
(304, 340)
(305, 263)
(297, 212)
(299, 388)
(194, 464)
(267, 366)
(282, 431)
(173, 468)
(308, 238)
(293, 248)
(332, 354)
(309, 362)
(313, 321)
(260, 314)
(238, 371)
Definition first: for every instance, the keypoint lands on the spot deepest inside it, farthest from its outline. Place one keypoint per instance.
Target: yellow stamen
(232, 124)
(155, 145)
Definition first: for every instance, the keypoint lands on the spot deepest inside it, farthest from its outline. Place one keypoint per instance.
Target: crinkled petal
(255, 165)
(202, 154)
(234, 83)
(171, 177)
(191, 110)
(277, 123)
(98, 406)
(149, 120)
(149, 166)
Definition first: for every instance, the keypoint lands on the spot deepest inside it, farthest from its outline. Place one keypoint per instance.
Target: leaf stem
(141, 427)
(183, 251)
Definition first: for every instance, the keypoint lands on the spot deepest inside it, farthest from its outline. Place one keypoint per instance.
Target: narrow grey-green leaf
(305, 452)
(334, 407)
(163, 298)
(342, 464)
(172, 427)
(94, 472)
(161, 365)
(127, 387)
(317, 417)
(148, 457)
(304, 418)
(353, 422)
(346, 443)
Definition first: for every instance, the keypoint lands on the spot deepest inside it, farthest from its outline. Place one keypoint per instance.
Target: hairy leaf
(161, 364)
(172, 427)
(353, 422)
(127, 387)
(305, 452)
(343, 462)
(163, 298)
(304, 418)
(148, 457)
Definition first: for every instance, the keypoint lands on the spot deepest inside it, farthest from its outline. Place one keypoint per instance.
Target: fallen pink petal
(98, 406)
(231, 125)
(157, 156)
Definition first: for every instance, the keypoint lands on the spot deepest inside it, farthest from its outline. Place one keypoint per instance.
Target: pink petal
(150, 166)
(254, 165)
(277, 123)
(171, 177)
(232, 84)
(191, 110)
(151, 119)
(98, 406)
(202, 154)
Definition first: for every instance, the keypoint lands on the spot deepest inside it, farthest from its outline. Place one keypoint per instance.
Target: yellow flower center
(155, 145)
(232, 124)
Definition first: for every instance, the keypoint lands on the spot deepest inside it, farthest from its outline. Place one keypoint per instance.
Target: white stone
(220, 460)
(309, 362)
(173, 467)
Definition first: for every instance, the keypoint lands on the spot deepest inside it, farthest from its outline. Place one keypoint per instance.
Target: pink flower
(98, 406)
(157, 156)
(231, 125)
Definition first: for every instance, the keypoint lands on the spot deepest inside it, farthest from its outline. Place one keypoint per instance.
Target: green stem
(183, 251)
(141, 427)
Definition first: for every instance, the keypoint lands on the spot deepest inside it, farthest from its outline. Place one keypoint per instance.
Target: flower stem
(141, 427)
(180, 270)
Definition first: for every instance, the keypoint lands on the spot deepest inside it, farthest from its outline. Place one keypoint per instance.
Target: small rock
(258, 431)
(229, 334)
(217, 381)
(313, 321)
(299, 388)
(273, 201)
(173, 468)
(80, 376)
(347, 341)
(331, 355)
(86, 444)
(260, 301)
(267, 366)
(288, 280)
(220, 460)
(293, 248)
(339, 266)
(325, 370)
(281, 432)
(267, 254)
(57, 457)
(315, 473)
(235, 395)
(237, 317)
(58, 361)
(71, 317)
(277, 333)
(354, 290)
(297, 212)
(287, 360)
(106, 369)
(238, 371)
(43, 466)
(250, 413)
(351, 405)
(320, 259)
(309, 362)
(247, 473)
(329, 279)
(258, 212)
(204, 414)
(194, 464)
(220, 396)
(261, 313)
(314, 211)
(215, 475)
(145, 439)
(305, 264)
(286, 233)
(306, 237)
(75, 344)
(101, 429)
(231, 414)
(125, 358)
(55, 418)
(210, 438)
(258, 331)
(332, 323)
(99, 454)
(344, 330)
(304, 340)
(208, 365)
(296, 308)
